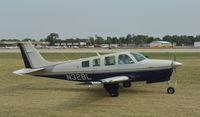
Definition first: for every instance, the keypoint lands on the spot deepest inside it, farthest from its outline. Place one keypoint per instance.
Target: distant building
(13, 44)
(83, 43)
(72, 42)
(196, 44)
(8, 44)
(161, 44)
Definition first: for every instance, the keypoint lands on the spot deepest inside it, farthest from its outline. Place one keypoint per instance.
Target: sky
(83, 18)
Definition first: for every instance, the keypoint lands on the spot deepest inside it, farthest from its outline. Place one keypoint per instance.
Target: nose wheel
(170, 90)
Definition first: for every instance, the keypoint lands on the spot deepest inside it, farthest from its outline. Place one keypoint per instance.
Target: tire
(127, 84)
(114, 94)
(170, 90)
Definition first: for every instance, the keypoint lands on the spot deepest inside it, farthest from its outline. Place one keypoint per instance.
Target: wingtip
(17, 73)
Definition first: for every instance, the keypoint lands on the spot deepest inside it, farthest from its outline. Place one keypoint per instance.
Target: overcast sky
(83, 18)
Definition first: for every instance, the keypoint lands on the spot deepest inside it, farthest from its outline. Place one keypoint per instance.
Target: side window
(110, 60)
(85, 64)
(96, 62)
(124, 59)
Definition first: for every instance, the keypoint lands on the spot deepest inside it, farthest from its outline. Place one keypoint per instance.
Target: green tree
(42, 40)
(197, 38)
(128, 39)
(99, 40)
(51, 38)
(91, 40)
(109, 41)
(121, 40)
(140, 40)
(149, 39)
(114, 40)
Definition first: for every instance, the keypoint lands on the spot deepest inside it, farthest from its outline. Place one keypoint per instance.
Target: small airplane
(109, 70)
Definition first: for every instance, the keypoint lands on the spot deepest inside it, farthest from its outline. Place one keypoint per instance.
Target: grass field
(27, 96)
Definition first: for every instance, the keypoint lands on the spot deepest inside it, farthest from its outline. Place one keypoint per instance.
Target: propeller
(174, 65)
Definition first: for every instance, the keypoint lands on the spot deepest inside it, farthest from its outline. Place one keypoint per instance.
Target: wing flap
(27, 71)
(115, 79)
(91, 83)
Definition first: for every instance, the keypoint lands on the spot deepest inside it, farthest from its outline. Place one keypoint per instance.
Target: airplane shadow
(140, 90)
(98, 91)
(94, 91)
(85, 96)
(68, 89)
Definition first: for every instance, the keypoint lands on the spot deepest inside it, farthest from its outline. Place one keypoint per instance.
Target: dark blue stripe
(149, 76)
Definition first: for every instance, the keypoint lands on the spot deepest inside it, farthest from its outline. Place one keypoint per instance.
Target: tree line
(136, 40)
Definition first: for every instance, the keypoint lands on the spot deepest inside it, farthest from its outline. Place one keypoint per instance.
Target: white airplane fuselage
(150, 70)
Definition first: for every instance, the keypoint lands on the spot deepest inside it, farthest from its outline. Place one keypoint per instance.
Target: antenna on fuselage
(98, 54)
(65, 56)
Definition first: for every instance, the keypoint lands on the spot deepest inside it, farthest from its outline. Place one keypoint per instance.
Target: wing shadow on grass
(140, 90)
(79, 98)
(94, 91)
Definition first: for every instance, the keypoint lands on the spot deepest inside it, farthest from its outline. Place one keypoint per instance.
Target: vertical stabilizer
(31, 57)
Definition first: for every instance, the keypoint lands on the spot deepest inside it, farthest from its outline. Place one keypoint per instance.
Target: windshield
(138, 57)
(124, 59)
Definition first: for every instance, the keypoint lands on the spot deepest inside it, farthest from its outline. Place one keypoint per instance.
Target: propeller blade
(173, 63)
(174, 57)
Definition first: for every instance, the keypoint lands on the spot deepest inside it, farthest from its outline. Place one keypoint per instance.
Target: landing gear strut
(170, 90)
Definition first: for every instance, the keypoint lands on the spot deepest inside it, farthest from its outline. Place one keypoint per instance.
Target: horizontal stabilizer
(27, 71)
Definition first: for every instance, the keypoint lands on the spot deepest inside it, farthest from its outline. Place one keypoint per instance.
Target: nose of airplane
(177, 64)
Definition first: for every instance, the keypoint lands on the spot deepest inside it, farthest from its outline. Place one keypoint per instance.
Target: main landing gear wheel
(127, 84)
(114, 94)
(170, 90)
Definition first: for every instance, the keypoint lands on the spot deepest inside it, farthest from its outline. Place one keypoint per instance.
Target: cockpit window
(124, 59)
(138, 57)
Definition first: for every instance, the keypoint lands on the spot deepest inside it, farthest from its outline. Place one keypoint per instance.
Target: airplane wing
(110, 80)
(115, 79)
(27, 71)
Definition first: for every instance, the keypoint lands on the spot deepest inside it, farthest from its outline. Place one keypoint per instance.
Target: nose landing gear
(170, 89)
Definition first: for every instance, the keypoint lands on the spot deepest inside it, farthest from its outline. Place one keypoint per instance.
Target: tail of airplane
(32, 58)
